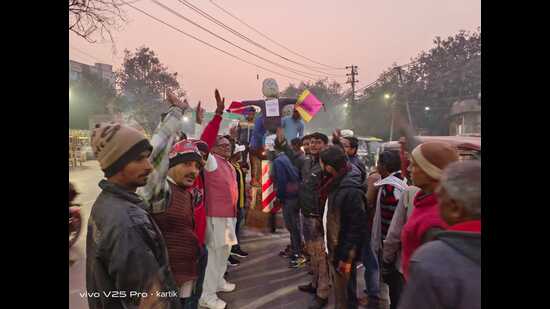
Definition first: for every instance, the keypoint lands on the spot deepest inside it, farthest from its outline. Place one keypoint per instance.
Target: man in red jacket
(428, 161)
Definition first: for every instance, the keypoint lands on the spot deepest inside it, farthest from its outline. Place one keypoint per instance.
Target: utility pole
(352, 81)
(406, 101)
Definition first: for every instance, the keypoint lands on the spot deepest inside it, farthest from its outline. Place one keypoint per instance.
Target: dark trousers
(395, 282)
(344, 287)
(291, 215)
(372, 270)
(192, 302)
(240, 218)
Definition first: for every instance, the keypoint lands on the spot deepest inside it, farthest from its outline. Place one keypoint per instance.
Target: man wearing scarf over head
(446, 272)
(344, 222)
(428, 161)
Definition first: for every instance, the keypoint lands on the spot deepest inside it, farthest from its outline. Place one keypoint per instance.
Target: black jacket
(125, 253)
(309, 195)
(346, 217)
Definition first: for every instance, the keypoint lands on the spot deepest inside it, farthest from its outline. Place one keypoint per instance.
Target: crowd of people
(167, 222)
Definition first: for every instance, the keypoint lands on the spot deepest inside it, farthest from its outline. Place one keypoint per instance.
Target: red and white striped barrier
(268, 192)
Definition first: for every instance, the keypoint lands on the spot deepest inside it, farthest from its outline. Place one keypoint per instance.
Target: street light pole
(391, 127)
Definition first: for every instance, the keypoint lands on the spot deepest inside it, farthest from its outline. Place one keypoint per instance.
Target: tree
(144, 81)
(90, 95)
(88, 17)
(448, 72)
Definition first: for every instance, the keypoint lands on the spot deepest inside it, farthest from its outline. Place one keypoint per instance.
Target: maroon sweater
(177, 227)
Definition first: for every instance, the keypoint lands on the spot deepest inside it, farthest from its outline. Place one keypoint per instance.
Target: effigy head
(270, 89)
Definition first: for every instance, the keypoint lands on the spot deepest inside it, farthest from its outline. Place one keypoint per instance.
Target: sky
(371, 34)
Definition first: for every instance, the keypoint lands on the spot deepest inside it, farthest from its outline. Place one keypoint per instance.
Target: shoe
(229, 287)
(372, 303)
(286, 253)
(238, 252)
(298, 262)
(231, 261)
(213, 304)
(308, 288)
(318, 303)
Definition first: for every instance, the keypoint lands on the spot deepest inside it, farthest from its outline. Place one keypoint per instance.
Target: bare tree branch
(88, 18)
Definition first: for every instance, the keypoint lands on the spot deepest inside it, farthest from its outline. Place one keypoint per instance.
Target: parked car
(468, 147)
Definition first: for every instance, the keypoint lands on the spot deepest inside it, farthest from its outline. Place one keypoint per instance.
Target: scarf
(472, 226)
(330, 182)
(425, 216)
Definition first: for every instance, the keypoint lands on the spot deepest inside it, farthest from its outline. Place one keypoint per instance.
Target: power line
(295, 71)
(208, 44)
(275, 42)
(244, 37)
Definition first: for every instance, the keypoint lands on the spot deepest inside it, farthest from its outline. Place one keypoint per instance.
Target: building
(103, 70)
(465, 118)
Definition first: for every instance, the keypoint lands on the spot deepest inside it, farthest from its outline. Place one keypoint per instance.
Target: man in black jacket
(126, 257)
(344, 222)
(312, 210)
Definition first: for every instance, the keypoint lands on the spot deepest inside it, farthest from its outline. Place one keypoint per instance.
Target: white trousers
(215, 269)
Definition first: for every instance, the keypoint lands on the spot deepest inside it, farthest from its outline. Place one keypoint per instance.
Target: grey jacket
(391, 252)
(445, 273)
(125, 254)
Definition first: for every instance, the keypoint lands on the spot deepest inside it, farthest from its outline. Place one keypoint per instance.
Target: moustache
(191, 175)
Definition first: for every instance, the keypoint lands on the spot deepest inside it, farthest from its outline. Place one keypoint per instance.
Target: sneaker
(231, 261)
(213, 304)
(298, 262)
(229, 287)
(308, 288)
(373, 303)
(237, 251)
(318, 303)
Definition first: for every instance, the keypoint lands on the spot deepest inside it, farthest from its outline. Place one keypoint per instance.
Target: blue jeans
(291, 215)
(372, 270)
(192, 302)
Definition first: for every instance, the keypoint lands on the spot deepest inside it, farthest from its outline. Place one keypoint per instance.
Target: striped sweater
(388, 203)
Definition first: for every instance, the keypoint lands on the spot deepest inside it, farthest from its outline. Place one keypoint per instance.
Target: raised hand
(220, 103)
(174, 101)
(199, 113)
(280, 135)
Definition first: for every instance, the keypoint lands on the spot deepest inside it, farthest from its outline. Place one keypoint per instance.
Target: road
(263, 279)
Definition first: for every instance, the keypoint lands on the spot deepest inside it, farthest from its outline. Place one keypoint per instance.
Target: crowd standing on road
(169, 217)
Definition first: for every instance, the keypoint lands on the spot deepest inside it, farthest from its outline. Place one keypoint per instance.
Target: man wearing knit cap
(446, 272)
(177, 221)
(428, 161)
(125, 250)
(175, 200)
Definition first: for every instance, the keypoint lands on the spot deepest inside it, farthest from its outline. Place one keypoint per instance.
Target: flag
(308, 105)
(240, 108)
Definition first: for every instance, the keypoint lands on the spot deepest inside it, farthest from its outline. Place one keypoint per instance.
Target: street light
(427, 108)
(346, 105)
(185, 119)
(387, 96)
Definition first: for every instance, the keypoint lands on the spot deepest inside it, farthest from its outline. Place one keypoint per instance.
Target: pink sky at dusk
(371, 34)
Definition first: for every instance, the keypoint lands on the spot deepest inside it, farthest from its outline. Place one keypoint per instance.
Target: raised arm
(211, 130)
(156, 191)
